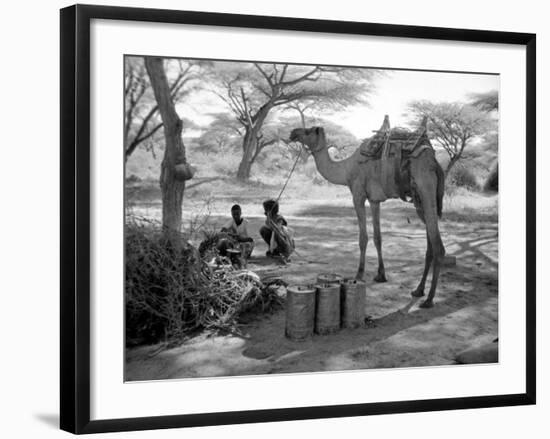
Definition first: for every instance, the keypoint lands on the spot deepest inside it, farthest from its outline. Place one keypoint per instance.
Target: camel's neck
(335, 172)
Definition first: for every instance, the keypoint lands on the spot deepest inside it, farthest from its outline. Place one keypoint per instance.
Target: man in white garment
(237, 228)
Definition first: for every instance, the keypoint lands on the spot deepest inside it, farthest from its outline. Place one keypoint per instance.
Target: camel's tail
(440, 188)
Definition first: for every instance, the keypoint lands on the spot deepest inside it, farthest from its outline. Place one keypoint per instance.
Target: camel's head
(313, 138)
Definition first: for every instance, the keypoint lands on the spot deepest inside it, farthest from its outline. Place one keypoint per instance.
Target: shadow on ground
(397, 333)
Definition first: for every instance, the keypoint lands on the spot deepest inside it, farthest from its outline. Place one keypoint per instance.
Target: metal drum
(300, 312)
(353, 303)
(327, 317)
(329, 278)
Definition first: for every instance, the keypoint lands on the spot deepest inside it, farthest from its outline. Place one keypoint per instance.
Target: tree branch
(304, 77)
(265, 75)
(138, 140)
(283, 73)
(246, 109)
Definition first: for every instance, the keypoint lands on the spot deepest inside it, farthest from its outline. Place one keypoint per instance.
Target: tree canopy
(452, 125)
(222, 134)
(252, 91)
(486, 101)
(489, 102)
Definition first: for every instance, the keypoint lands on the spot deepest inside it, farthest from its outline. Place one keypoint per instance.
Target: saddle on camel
(390, 150)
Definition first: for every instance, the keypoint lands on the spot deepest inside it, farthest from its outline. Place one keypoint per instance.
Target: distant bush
(223, 164)
(461, 176)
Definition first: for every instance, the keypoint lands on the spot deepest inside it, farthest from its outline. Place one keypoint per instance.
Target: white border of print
(112, 398)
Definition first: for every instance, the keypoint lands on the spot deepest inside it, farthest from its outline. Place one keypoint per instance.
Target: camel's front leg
(375, 209)
(359, 204)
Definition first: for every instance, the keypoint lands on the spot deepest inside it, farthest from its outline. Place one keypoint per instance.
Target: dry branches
(170, 293)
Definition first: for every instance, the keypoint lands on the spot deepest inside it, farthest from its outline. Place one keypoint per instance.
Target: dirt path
(399, 334)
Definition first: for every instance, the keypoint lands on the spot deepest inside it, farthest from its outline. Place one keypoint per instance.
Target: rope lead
(290, 174)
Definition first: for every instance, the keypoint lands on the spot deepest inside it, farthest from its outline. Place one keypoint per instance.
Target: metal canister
(329, 278)
(300, 312)
(327, 314)
(353, 303)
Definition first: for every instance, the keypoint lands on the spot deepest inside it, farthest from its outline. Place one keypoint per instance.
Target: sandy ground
(397, 333)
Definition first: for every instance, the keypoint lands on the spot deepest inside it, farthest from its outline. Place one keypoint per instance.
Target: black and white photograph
(275, 219)
(288, 218)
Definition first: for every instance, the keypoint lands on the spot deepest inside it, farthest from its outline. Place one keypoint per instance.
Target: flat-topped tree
(253, 90)
(489, 102)
(365, 181)
(453, 125)
(486, 101)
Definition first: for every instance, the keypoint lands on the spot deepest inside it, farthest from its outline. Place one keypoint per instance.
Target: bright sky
(393, 91)
(396, 89)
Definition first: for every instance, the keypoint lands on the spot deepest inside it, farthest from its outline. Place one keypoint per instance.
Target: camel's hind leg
(359, 204)
(419, 291)
(425, 199)
(375, 209)
(438, 252)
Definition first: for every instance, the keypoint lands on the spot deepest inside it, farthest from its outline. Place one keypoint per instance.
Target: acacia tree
(253, 90)
(452, 125)
(174, 168)
(340, 141)
(302, 108)
(222, 133)
(488, 102)
(142, 120)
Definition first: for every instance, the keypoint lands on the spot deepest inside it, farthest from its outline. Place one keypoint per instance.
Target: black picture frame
(75, 217)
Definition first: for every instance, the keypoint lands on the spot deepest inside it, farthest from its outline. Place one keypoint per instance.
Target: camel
(364, 179)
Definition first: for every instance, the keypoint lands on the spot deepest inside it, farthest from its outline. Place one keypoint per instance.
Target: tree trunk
(451, 164)
(172, 181)
(243, 173)
(491, 184)
(250, 143)
(455, 158)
